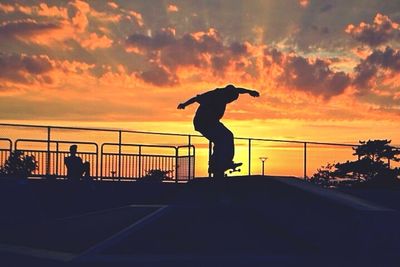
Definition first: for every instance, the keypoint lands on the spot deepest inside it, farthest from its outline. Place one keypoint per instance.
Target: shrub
(18, 165)
(157, 175)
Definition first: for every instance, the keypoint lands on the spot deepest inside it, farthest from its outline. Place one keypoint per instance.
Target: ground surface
(240, 221)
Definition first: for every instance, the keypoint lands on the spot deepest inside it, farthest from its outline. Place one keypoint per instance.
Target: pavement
(237, 221)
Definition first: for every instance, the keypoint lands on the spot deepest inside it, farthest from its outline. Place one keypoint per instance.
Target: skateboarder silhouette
(207, 122)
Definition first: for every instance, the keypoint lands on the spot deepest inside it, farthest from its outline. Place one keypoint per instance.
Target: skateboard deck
(234, 167)
(231, 168)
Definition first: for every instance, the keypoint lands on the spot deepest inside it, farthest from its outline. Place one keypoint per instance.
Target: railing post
(194, 162)
(48, 150)
(101, 162)
(140, 161)
(359, 175)
(305, 160)
(189, 144)
(209, 157)
(263, 173)
(249, 156)
(97, 161)
(176, 165)
(57, 160)
(119, 154)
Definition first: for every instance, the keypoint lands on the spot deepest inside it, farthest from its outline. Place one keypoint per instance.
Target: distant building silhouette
(76, 169)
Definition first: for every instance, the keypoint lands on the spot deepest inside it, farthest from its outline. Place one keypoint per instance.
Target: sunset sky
(326, 70)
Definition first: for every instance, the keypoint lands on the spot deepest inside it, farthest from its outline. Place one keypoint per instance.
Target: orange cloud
(24, 9)
(52, 11)
(304, 3)
(112, 5)
(79, 17)
(29, 30)
(137, 16)
(68, 26)
(94, 41)
(7, 8)
(172, 8)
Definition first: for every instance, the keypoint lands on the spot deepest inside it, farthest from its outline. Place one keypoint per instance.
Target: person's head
(73, 149)
(232, 93)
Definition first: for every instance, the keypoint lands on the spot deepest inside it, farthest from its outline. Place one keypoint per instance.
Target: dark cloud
(144, 42)
(24, 28)
(219, 64)
(368, 69)
(201, 50)
(319, 29)
(17, 67)
(186, 51)
(312, 76)
(173, 52)
(325, 8)
(315, 77)
(274, 56)
(382, 30)
(158, 76)
(238, 48)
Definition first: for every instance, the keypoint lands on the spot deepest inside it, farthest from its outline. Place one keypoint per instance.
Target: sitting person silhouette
(76, 169)
(207, 122)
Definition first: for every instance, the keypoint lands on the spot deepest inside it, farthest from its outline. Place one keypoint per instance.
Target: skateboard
(234, 167)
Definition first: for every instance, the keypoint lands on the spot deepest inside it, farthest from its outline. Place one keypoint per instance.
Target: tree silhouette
(372, 166)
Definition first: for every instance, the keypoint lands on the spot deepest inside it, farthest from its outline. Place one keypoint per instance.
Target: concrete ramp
(238, 221)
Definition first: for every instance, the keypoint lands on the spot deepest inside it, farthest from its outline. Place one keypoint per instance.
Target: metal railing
(139, 163)
(51, 161)
(128, 158)
(5, 149)
(113, 166)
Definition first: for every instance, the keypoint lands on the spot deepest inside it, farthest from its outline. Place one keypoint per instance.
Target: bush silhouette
(157, 175)
(18, 165)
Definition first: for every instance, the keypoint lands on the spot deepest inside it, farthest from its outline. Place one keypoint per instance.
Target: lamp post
(263, 159)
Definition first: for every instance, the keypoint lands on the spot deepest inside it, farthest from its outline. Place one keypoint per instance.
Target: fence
(5, 149)
(124, 155)
(50, 155)
(139, 162)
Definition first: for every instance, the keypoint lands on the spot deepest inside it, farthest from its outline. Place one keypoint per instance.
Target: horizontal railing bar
(139, 155)
(92, 129)
(55, 151)
(298, 142)
(173, 134)
(137, 145)
(56, 141)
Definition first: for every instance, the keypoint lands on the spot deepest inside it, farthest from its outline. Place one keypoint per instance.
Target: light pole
(263, 159)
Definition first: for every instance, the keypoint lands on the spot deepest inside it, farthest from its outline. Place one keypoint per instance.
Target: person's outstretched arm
(187, 103)
(253, 93)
